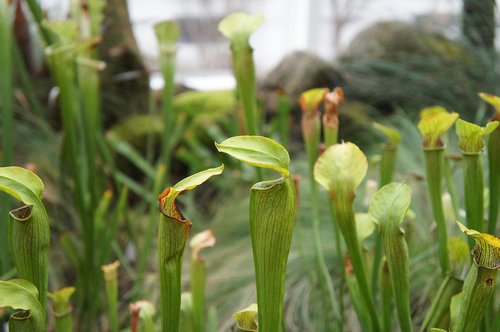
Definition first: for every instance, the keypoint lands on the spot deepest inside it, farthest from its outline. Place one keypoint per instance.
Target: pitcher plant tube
(435, 122)
(62, 309)
(388, 209)
(238, 27)
(479, 284)
(387, 166)
(200, 241)
(22, 296)
(471, 143)
(272, 217)
(311, 133)
(29, 232)
(494, 164)
(340, 170)
(172, 237)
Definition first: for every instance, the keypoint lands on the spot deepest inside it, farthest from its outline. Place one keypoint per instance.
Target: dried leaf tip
(333, 102)
(200, 241)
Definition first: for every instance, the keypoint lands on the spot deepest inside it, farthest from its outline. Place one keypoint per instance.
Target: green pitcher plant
(434, 123)
(471, 143)
(29, 233)
(272, 217)
(200, 241)
(246, 319)
(388, 209)
(173, 234)
(238, 27)
(340, 170)
(479, 284)
(62, 309)
(22, 296)
(494, 164)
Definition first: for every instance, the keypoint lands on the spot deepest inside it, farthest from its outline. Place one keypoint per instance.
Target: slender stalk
(340, 170)
(111, 279)
(494, 178)
(198, 275)
(388, 209)
(6, 97)
(434, 161)
(167, 33)
(440, 305)
(452, 188)
(356, 296)
(471, 142)
(333, 101)
(237, 28)
(311, 132)
(387, 296)
(62, 309)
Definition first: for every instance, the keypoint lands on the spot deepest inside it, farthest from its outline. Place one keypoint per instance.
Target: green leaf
(167, 33)
(257, 151)
(392, 134)
(364, 226)
(471, 135)
(25, 177)
(390, 204)
(19, 295)
(238, 27)
(434, 122)
(246, 318)
(491, 99)
(459, 253)
(341, 168)
(195, 180)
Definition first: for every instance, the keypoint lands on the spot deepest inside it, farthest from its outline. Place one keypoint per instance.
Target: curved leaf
(257, 151)
(238, 27)
(491, 99)
(246, 318)
(25, 177)
(471, 135)
(392, 134)
(486, 253)
(434, 122)
(364, 226)
(19, 295)
(390, 204)
(167, 33)
(195, 180)
(341, 168)
(200, 241)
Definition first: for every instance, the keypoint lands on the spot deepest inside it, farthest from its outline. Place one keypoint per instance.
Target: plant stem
(345, 216)
(440, 305)
(244, 70)
(111, 278)
(434, 161)
(283, 117)
(473, 190)
(387, 295)
(494, 179)
(387, 166)
(6, 96)
(198, 273)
